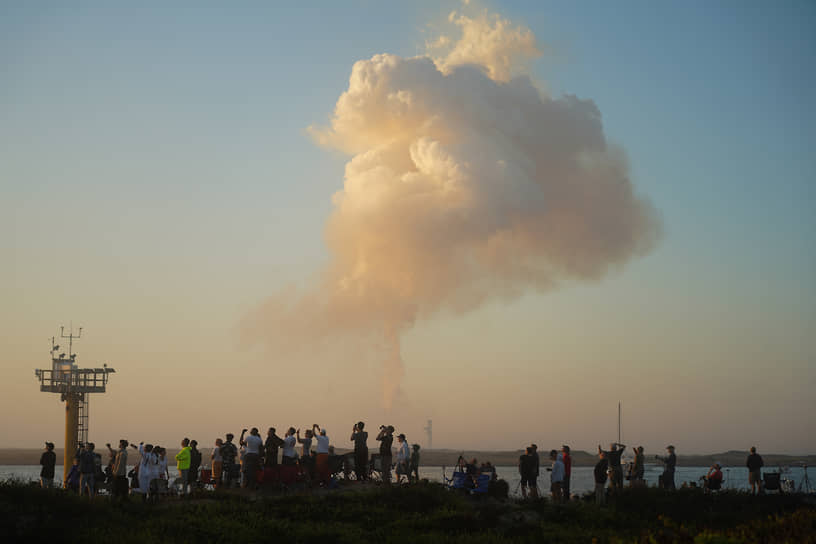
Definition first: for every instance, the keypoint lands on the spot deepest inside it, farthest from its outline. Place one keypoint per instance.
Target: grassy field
(421, 513)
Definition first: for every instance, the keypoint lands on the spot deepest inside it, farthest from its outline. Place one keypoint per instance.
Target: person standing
(567, 459)
(148, 469)
(195, 462)
(228, 454)
(183, 465)
(217, 463)
(386, 439)
(613, 457)
(120, 481)
(273, 442)
(87, 470)
(669, 464)
(48, 460)
(403, 457)
(252, 456)
(600, 478)
(638, 468)
(556, 476)
(322, 460)
(289, 456)
(755, 464)
(413, 471)
(360, 439)
(72, 480)
(527, 471)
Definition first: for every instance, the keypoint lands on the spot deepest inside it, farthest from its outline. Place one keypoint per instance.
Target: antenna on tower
(74, 386)
(429, 431)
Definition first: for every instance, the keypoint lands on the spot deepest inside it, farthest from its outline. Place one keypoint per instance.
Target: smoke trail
(466, 182)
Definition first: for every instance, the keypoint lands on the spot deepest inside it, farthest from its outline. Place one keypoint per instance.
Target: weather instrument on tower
(74, 385)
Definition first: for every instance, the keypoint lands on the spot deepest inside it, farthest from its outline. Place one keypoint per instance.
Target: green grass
(421, 513)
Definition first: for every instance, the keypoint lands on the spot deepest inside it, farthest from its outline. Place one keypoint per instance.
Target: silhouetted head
(602, 455)
(254, 431)
(416, 447)
(291, 431)
(148, 448)
(360, 425)
(90, 446)
(49, 446)
(123, 444)
(219, 442)
(753, 449)
(185, 442)
(401, 438)
(271, 431)
(193, 443)
(613, 447)
(553, 455)
(230, 436)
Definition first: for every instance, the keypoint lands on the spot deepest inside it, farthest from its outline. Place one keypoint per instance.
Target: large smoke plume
(466, 182)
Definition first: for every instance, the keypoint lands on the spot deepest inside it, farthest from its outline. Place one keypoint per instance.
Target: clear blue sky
(154, 160)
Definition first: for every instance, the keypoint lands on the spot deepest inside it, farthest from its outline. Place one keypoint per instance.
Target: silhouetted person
(386, 438)
(639, 467)
(567, 459)
(527, 471)
(195, 462)
(755, 464)
(119, 487)
(413, 470)
(600, 478)
(87, 470)
(273, 442)
(556, 476)
(72, 480)
(613, 457)
(183, 465)
(669, 463)
(360, 439)
(252, 456)
(228, 454)
(48, 460)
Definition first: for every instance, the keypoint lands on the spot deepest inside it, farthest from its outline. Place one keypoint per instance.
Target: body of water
(582, 477)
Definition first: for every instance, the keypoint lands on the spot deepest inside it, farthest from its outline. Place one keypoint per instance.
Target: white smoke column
(465, 183)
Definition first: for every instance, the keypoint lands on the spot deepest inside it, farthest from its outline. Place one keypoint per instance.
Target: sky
(170, 178)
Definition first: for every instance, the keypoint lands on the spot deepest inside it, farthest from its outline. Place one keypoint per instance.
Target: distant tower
(429, 430)
(73, 384)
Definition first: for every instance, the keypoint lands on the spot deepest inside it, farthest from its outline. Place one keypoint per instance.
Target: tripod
(805, 483)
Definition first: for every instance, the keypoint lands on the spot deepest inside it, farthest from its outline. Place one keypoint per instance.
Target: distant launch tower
(73, 384)
(429, 430)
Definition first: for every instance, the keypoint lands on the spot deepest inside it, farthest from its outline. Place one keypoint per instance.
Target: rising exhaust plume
(466, 182)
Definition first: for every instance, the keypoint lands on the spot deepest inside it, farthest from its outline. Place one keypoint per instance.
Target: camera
(382, 427)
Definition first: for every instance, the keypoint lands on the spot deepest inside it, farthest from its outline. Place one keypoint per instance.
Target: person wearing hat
(386, 439)
(669, 462)
(403, 458)
(714, 478)
(48, 460)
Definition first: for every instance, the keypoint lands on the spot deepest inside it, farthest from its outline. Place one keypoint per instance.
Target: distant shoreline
(446, 457)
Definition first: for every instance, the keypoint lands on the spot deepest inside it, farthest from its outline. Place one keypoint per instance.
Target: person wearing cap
(48, 460)
(386, 439)
(322, 460)
(566, 458)
(403, 457)
(714, 478)
(360, 439)
(755, 464)
(666, 480)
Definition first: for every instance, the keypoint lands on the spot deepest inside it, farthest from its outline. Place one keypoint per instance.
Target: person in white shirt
(322, 461)
(148, 469)
(403, 457)
(556, 476)
(217, 463)
(289, 456)
(252, 456)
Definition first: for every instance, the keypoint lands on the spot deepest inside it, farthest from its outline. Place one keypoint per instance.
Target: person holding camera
(289, 456)
(119, 487)
(666, 480)
(386, 439)
(252, 456)
(228, 454)
(613, 458)
(360, 439)
(273, 442)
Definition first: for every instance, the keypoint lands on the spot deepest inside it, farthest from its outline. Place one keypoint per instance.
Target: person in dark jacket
(600, 478)
(755, 464)
(87, 470)
(528, 470)
(195, 463)
(669, 463)
(273, 442)
(386, 438)
(48, 459)
(72, 480)
(360, 439)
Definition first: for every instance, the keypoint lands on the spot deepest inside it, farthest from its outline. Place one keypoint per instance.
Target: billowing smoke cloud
(466, 183)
